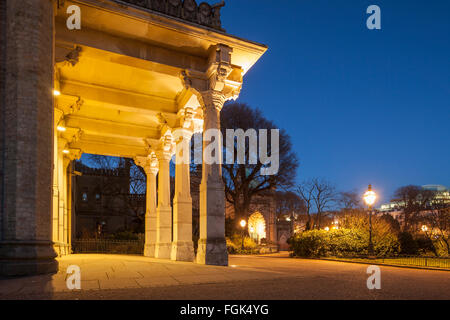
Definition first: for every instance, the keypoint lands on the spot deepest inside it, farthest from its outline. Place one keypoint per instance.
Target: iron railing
(402, 260)
(108, 246)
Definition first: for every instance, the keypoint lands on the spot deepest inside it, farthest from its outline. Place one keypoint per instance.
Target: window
(97, 196)
(84, 196)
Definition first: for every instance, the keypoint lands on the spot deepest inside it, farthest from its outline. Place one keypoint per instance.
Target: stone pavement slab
(247, 277)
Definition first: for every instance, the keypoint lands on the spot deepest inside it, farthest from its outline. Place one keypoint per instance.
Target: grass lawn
(430, 262)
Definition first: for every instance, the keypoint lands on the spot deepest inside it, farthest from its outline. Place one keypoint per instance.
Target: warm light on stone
(257, 226)
(119, 92)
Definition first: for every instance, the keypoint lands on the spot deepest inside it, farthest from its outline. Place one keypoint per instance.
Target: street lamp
(369, 199)
(243, 223)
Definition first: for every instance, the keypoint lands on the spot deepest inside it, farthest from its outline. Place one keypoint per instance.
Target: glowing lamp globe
(370, 197)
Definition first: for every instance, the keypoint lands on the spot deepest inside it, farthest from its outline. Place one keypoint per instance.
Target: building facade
(102, 202)
(135, 80)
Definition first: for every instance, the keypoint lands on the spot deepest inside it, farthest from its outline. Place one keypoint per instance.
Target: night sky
(362, 106)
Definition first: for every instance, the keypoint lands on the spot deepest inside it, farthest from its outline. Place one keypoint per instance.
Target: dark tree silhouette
(412, 200)
(318, 194)
(244, 181)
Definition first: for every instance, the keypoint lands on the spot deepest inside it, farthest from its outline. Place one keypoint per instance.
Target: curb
(387, 265)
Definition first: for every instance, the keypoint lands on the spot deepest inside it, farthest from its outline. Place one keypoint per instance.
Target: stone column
(55, 188)
(69, 208)
(150, 166)
(61, 201)
(212, 248)
(164, 210)
(182, 246)
(66, 230)
(27, 127)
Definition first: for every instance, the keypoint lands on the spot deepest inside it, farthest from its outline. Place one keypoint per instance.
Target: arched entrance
(257, 227)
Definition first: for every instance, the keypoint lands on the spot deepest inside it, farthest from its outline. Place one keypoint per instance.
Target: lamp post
(243, 223)
(369, 199)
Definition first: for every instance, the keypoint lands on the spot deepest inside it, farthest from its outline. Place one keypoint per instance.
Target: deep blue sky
(361, 106)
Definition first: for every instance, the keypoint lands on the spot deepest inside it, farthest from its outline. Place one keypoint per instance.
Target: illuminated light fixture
(65, 151)
(56, 93)
(327, 229)
(370, 197)
(424, 228)
(61, 128)
(243, 223)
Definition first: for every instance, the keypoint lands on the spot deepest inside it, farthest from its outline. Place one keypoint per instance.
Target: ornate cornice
(203, 14)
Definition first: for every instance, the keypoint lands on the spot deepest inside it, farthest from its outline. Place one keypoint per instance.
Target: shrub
(231, 247)
(312, 243)
(346, 242)
(126, 235)
(234, 245)
(386, 244)
(341, 243)
(407, 244)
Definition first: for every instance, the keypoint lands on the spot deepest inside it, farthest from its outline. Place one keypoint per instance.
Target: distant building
(442, 196)
(102, 201)
(395, 207)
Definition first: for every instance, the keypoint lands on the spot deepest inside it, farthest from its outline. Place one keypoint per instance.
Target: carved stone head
(159, 5)
(204, 9)
(190, 10)
(190, 5)
(174, 8)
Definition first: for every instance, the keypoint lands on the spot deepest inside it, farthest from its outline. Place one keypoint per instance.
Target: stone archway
(282, 242)
(257, 226)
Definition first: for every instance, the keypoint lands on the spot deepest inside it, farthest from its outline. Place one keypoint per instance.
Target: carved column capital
(149, 164)
(185, 118)
(74, 154)
(166, 146)
(213, 99)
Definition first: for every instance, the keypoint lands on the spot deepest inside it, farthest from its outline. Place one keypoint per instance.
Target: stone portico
(137, 81)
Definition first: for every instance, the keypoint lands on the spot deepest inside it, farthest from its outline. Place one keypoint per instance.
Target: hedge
(341, 243)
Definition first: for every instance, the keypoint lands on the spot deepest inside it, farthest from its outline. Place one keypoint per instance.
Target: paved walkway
(247, 277)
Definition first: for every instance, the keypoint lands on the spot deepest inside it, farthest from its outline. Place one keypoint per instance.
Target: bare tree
(244, 181)
(412, 200)
(318, 194)
(306, 192)
(439, 221)
(288, 203)
(349, 200)
(324, 195)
